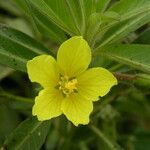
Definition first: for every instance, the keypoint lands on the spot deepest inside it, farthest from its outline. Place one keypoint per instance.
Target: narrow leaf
(75, 9)
(54, 11)
(29, 135)
(122, 29)
(16, 48)
(4, 71)
(102, 5)
(128, 10)
(144, 38)
(133, 55)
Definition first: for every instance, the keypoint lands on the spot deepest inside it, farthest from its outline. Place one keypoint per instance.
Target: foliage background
(121, 120)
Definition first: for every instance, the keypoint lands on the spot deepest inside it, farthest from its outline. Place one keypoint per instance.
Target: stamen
(67, 85)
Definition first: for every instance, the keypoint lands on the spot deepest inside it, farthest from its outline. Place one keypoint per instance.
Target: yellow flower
(69, 88)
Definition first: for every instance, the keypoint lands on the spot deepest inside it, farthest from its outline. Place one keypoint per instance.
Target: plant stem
(15, 98)
(116, 67)
(99, 133)
(122, 76)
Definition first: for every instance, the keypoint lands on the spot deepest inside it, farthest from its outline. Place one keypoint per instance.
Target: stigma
(67, 85)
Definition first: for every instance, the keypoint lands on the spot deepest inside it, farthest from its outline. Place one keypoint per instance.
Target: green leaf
(102, 5)
(8, 121)
(94, 21)
(16, 48)
(130, 8)
(75, 8)
(90, 6)
(44, 25)
(129, 11)
(52, 139)
(55, 11)
(69, 15)
(134, 55)
(48, 29)
(22, 5)
(143, 80)
(97, 20)
(81, 10)
(21, 25)
(10, 7)
(122, 29)
(29, 135)
(4, 71)
(144, 38)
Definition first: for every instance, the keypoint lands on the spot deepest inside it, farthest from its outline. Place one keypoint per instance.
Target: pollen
(67, 85)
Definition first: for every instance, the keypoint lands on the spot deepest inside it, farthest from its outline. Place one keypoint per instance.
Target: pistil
(67, 85)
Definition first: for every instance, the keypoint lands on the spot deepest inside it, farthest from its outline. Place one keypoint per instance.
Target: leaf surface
(29, 135)
(16, 48)
(133, 55)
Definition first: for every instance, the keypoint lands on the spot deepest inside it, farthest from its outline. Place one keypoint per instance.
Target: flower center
(67, 85)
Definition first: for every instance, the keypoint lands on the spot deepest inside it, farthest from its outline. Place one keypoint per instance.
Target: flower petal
(95, 82)
(74, 56)
(43, 69)
(47, 104)
(77, 109)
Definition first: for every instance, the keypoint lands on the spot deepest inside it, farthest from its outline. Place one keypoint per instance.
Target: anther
(67, 85)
